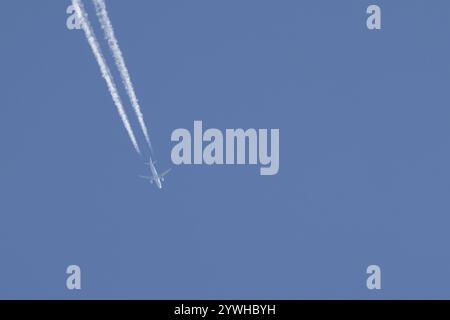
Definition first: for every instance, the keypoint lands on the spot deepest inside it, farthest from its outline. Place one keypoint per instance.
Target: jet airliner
(156, 178)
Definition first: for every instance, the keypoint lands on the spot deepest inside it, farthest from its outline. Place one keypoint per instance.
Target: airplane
(157, 178)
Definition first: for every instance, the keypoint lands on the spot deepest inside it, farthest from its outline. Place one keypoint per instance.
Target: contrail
(107, 27)
(106, 73)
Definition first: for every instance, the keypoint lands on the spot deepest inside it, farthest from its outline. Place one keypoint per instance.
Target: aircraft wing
(165, 172)
(151, 179)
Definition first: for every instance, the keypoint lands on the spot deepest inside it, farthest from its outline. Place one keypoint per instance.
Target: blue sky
(364, 151)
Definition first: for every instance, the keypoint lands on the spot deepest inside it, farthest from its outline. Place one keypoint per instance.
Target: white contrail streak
(107, 27)
(106, 73)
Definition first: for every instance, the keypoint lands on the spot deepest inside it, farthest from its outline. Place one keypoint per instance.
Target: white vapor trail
(107, 27)
(106, 73)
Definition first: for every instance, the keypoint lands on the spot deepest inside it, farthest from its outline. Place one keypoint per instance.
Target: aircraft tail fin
(150, 163)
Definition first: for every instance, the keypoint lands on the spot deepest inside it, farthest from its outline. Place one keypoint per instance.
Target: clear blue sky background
(364, 175)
